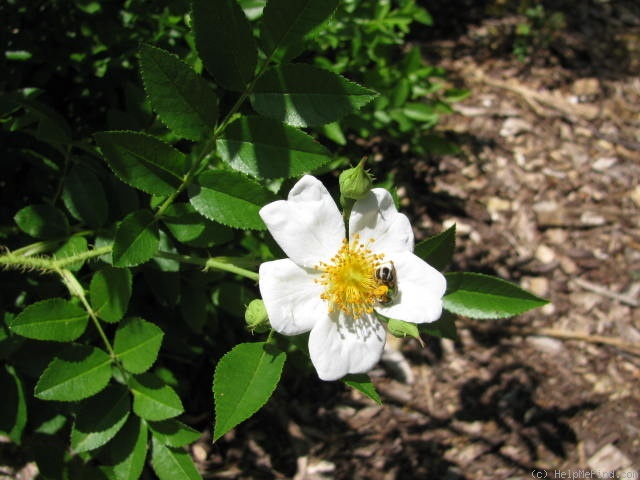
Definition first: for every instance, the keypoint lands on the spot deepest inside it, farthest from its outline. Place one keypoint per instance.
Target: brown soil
(545, 192)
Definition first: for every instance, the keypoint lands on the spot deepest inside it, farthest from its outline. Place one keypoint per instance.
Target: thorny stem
(224, 264)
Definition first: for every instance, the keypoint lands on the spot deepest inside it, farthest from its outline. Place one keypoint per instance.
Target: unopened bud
(355, 182)
(256, 317)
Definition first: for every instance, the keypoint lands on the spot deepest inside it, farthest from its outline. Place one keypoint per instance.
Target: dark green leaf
(142, 161)
(153, 399)
(444, 327)
(303, 95)
(136, 239)
(137, 344)
(244, 380)
(265, 148)
(52, 319)
(286, 22)
(230, 198)
(183, 99)
(481, 296)
(128, 451)
(110, 292)
(225, 42)
(100, 418)
(79, 372)
(173, 433)
(42, 221)
(189, 227)
(84, 196)
(362, 383)
(172, 463)
(13, 414)
(437, 250)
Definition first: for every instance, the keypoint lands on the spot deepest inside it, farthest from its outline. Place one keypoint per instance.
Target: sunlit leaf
(137, 343)
(244, 380)
(79, 372)
(303, 95)
(171, 463)
(230, 198)
(182, 98)
(265, 148)
(52, 319)
(481, 296)
(153, 399)
(362, 383)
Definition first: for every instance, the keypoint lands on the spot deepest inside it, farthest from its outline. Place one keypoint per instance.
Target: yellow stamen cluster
(349, 278)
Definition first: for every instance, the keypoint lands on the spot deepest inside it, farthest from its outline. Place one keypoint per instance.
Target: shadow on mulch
(596, 38)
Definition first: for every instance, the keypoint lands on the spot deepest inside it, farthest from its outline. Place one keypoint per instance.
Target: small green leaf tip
(355, 182)
(256, 317)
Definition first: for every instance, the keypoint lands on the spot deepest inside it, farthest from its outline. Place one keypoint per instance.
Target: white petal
(291, 297)
(376, 216)
(420, 290)
(339, 345)
(308, 225)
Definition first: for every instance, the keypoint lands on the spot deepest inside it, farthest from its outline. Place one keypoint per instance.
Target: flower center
(349, 279)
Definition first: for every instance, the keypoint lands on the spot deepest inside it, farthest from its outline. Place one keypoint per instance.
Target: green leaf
(52, 319)
(79, 372)
(128, 451)
(171, 463)
(100, 418)
(137, 344)
(183, 100)
(303, 95)
(444, 327)
(189, 227)
(142, 161)
(42, 221)
(72, 247)
(420, 112)
(481, 296)
(13, 414)
(362, 383)
(84, 196)
(229, 198)
(173, 433)
(110, 292)
(136, 239)
(437, 250)
(400, 328)
(225, 42)
(153, 399)
(286, 22)
(244, 380)
(265, 148)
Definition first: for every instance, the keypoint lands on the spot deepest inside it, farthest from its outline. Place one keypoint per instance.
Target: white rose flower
(332, 286)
